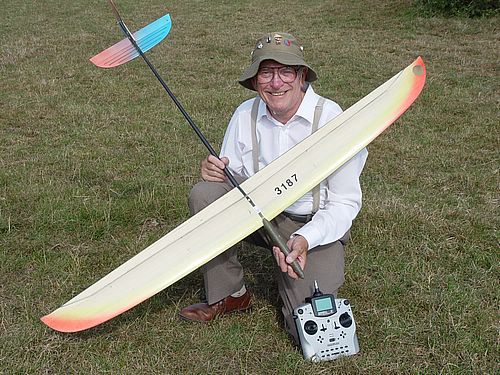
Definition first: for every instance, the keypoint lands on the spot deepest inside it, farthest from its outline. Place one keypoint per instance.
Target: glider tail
(124, 51)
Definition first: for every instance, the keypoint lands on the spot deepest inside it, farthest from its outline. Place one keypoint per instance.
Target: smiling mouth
(281, 93)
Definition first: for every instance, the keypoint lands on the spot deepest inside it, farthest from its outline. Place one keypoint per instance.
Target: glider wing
(231, 218)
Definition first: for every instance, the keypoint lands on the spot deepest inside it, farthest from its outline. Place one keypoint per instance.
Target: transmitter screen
(323, 304)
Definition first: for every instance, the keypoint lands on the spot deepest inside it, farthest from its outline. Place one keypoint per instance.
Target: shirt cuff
(311, 234)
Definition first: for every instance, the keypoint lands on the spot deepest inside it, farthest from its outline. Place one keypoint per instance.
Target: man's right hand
(212, 168)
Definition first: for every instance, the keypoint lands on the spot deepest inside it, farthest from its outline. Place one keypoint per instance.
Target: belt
(299, 218)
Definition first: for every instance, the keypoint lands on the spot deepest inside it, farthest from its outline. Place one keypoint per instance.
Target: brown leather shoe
(203, 312)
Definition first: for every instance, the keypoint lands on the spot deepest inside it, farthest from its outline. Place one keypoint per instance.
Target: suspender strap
(255, 146)
(317, 116)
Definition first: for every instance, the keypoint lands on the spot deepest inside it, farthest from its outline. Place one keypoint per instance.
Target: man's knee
(204, 193)
(198, 199)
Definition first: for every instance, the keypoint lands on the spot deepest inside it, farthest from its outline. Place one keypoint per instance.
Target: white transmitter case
(326, 327)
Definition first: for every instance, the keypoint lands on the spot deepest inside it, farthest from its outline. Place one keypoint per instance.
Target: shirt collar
(306, 108)
(308, 105)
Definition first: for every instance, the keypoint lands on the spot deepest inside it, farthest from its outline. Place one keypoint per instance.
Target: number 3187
(285, 185)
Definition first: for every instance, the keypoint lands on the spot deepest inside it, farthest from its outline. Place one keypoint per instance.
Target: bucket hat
(280, 47)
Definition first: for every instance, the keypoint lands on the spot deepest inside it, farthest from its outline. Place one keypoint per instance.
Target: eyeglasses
(286, 73)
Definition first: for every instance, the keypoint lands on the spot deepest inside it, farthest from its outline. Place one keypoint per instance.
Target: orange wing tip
(419, 72)
(70, 325)
(419, 67)
(60, 320)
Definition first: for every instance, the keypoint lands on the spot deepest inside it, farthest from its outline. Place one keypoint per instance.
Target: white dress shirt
(340, 193)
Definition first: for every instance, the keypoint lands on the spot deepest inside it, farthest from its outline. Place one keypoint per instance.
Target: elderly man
(286, 111)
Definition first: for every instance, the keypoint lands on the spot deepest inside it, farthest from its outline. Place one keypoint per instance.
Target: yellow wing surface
(231, 218)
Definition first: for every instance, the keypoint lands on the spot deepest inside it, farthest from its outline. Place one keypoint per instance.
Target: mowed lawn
(96, 164)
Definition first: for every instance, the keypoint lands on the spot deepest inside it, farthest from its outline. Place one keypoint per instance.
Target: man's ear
(254, 83)
(303, 74)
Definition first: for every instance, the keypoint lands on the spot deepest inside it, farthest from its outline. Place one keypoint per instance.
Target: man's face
(282, 98)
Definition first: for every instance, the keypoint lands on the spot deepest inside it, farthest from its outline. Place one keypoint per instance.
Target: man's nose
(276, 81)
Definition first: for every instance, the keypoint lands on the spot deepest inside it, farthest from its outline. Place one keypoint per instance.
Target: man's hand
(298, 246)
(212, 169)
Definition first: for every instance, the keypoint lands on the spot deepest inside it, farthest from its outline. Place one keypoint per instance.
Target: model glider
(230, 219)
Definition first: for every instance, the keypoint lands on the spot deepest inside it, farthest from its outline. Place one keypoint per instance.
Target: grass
(96, 164)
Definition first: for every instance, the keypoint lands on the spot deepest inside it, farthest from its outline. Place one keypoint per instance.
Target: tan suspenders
(255, 149)
(255, 146)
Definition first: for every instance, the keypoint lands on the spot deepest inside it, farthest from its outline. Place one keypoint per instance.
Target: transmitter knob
(345, 320)
(310, 327)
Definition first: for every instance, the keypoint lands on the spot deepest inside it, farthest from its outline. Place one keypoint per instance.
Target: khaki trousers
(223, 275)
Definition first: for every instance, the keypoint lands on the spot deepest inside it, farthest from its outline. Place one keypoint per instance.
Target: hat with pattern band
(280, 47)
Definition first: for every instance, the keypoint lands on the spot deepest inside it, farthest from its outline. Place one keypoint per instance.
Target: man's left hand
(298, 246)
